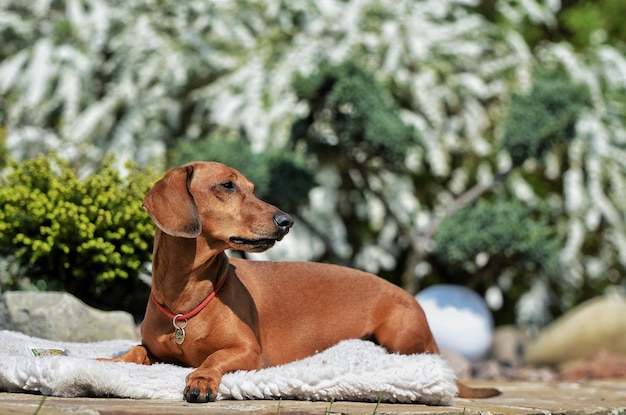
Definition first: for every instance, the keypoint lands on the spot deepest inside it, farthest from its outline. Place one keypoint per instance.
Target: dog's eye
(228, 186)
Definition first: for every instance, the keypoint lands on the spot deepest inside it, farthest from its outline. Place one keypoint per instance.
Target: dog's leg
(138, 354)
(402, 326)
(202, 384)
(408, 334)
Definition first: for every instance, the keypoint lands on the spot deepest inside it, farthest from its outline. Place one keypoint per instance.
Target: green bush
(352, 117)
(581, 23)
(514, 240)
(545, 117)
(581, 19)
(508, 230)
(89, 237)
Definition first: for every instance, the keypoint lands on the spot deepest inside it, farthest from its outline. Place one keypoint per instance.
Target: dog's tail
(476, 393)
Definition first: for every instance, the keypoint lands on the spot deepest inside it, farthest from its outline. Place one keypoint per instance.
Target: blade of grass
(41, 402)
(330, 406)
(380, 398)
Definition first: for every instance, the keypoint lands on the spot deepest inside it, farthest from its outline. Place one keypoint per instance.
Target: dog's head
(216, 202)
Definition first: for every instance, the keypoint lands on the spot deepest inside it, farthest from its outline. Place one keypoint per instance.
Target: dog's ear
(171, 205)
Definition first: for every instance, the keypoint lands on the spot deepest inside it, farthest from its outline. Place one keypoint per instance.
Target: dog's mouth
(254, 245)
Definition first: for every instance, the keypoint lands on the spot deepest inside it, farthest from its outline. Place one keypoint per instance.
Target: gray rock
(62, 317)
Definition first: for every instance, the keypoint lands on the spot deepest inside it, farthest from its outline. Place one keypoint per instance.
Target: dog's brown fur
(267, 313)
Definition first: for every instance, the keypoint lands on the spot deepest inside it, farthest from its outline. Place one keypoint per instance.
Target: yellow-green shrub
(88, 236)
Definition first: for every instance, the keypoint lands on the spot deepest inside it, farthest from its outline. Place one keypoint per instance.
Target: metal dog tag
(179, 335)
(179, 331)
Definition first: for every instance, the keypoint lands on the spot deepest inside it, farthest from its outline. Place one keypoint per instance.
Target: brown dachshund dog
(220, 315)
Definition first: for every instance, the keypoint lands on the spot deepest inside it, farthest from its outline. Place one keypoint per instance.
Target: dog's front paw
(200, 389)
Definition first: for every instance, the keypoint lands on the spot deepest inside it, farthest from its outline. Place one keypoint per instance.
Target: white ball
(459, 319)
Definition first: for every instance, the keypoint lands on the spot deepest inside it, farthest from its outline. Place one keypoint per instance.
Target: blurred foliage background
(472, 142)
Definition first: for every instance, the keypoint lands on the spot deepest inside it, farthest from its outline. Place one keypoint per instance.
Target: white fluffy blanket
(352, 370)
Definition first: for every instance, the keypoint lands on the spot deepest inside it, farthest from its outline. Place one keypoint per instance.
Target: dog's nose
(283, 221)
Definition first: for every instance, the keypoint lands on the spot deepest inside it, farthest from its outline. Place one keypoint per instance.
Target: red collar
(193, 312)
